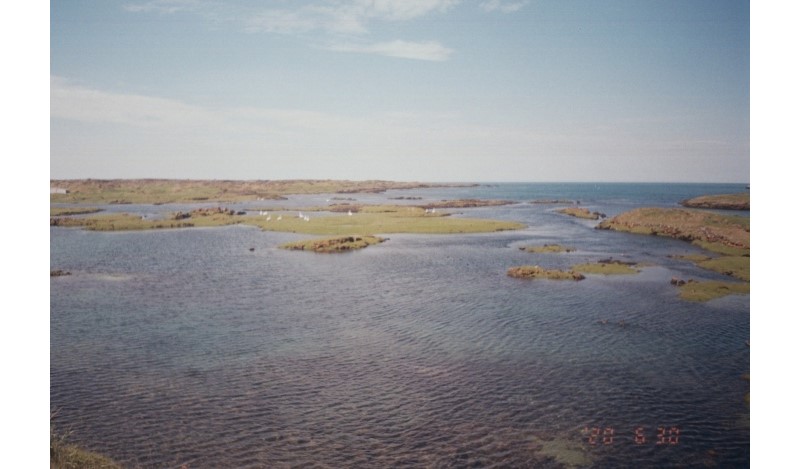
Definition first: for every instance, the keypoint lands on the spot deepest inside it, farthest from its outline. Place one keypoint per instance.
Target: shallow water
(182, 346)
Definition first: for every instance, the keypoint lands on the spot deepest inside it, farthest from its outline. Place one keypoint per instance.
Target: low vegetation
(726, 236)
(547, 248)
(534, 272)
(581, 212)
(369, 220)
(720, 202)
(607, 267)
(711, 289)
(335, 244)
(159, 191)
(718, 233)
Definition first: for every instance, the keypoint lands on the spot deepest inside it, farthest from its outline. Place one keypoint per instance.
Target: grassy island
(366, 220)
(335, 244)
(728, 236)
(580, 212)
(547, 248)
(607, 267)
(534, 271)
(720, 202)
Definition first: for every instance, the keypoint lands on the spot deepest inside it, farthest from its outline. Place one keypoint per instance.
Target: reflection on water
(182, 346)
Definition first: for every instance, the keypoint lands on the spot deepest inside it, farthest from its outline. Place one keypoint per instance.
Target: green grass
(334, 244)
(605, 268)
(709, 290)
(536, 272)
(738, 267)
(372, 219)
(547, 248)
(405, 220)
(721, 234)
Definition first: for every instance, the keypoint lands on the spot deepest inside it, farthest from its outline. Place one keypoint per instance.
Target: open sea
(183, 347)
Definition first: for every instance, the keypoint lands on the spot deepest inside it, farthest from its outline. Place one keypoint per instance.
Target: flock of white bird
(280, 217)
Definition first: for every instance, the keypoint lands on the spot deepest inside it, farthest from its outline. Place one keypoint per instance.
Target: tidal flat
(210, 346)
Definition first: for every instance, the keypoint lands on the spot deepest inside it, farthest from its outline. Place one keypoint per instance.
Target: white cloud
(335, 18)
(401, 10)
(429, 50)
(163, 6)
(503, 6)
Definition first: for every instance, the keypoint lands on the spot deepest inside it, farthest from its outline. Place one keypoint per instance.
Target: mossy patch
(333, 245)
(547, 248)
(709, 290)
(607, 268)
(536, 272)
(734, 266)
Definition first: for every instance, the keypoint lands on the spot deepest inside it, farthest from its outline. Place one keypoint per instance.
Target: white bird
(299, 214)
(433, 210)
(306, 218)
(269, 218)
(349, 213)
(280, 217)
(427, 210)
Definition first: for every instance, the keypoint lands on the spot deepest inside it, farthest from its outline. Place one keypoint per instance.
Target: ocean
(183, 346)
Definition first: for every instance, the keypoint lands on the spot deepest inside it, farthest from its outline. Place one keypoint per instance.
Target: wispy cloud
(503, 6)
(429, 50)
(163, 6)
(332, 18)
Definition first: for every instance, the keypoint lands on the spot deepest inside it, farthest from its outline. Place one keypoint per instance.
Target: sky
(424, 90)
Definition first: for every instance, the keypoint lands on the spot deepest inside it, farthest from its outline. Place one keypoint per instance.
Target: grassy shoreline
(726, 236)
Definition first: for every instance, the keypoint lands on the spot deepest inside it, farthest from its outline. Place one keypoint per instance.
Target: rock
(677, 281)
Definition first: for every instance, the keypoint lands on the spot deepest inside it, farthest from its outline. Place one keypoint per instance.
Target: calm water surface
(183, 347)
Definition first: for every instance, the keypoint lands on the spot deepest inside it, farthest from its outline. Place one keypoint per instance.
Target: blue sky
(431, 90)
